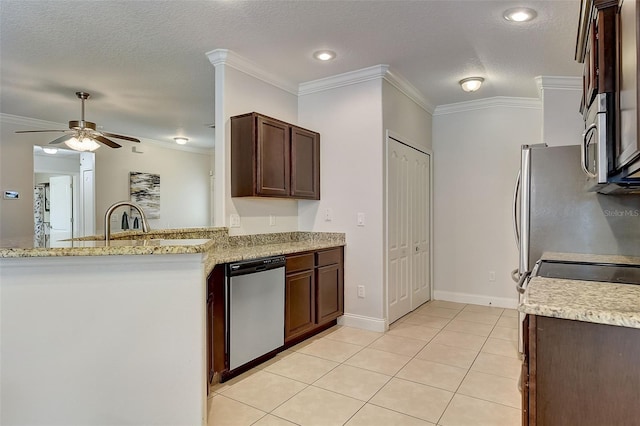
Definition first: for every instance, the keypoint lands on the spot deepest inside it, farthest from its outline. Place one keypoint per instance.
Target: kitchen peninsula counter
(214, 242)
(96, 333)
(588, 301)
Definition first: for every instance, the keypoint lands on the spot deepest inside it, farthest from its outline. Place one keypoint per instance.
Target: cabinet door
(329, 293)
(273, 158)
(210, 319)
(590, 74)
(305, 164)
(299, 304)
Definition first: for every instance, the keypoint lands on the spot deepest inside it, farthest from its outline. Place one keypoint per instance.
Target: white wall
(184, 183)
(238, 93)
(562, 123)
(477, 154)
(349, 120)
(405, 117)
(16, 174)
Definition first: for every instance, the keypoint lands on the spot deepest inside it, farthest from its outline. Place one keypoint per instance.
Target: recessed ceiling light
(49, 150)
(324, 55)
(471, 84)
(181, 140)
(520, 14)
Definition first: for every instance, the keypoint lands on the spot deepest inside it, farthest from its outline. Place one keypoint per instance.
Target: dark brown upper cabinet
(596, 48)
(271, 158)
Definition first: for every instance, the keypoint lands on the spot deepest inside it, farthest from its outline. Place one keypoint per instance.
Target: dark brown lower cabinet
(580, 373)
(314, 293)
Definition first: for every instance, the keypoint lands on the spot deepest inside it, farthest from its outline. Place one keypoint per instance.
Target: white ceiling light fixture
(49, 150)
(471, 84)
(520, 14)
(82, 143)
(324, 55)
(181, 140)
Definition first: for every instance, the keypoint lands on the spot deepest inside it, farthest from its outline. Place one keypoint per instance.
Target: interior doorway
(64, 195)
(408, 227)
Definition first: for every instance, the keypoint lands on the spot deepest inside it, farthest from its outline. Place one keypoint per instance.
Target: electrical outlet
(234, 221)
(361, 291)
(272, 220)
(492, 276)
(361, 219)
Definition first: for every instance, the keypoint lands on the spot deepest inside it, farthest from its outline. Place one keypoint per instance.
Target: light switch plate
(361, 219)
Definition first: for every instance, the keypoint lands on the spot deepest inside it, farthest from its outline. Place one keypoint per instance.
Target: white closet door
(398, 242)
(420, 224)
(408, 229)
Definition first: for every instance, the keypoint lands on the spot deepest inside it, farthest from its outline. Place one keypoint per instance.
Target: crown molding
(229, 58)
(495, 102)
(375, 72)
(558, 83)
(33, 123)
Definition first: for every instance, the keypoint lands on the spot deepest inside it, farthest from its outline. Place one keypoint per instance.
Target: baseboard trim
(365, 323)
(476, 299)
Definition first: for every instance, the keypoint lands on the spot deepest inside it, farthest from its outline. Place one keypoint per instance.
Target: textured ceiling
(144, 62)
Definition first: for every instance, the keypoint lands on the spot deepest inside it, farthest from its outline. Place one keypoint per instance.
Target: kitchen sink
(587, 271)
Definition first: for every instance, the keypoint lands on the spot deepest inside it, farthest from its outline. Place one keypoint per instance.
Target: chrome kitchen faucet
(107, 218)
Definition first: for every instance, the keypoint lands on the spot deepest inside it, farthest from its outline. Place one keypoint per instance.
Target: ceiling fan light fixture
(520, 14)
(50, 150)
(84, 144)
(471, 84)
(181, 140)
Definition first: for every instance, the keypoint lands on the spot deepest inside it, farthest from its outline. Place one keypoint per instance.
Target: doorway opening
(64, 200)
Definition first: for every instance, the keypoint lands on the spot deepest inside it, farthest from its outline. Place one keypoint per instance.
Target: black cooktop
(586, 271)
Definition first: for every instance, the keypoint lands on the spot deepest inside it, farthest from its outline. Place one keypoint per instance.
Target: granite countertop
(589, 301)
(215, 243)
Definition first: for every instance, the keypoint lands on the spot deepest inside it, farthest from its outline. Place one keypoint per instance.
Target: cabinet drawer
(299, 263)
(329, 257)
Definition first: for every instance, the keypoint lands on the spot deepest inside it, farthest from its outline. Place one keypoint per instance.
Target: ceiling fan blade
(126, 138)
(40, 131)
(60, 139)
(107, 142)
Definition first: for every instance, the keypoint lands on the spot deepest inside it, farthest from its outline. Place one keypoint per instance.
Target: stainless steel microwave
(610, 144)
(600, 152)
(598, 144)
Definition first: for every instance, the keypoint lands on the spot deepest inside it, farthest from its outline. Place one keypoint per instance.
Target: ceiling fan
(82, 135)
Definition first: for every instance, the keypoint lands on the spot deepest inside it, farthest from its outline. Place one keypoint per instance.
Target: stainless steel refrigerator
(553, 212)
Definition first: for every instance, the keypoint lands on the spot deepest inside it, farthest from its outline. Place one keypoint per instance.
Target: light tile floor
(445, 363)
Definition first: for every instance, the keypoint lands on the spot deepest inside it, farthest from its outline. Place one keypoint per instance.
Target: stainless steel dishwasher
(255, 309)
